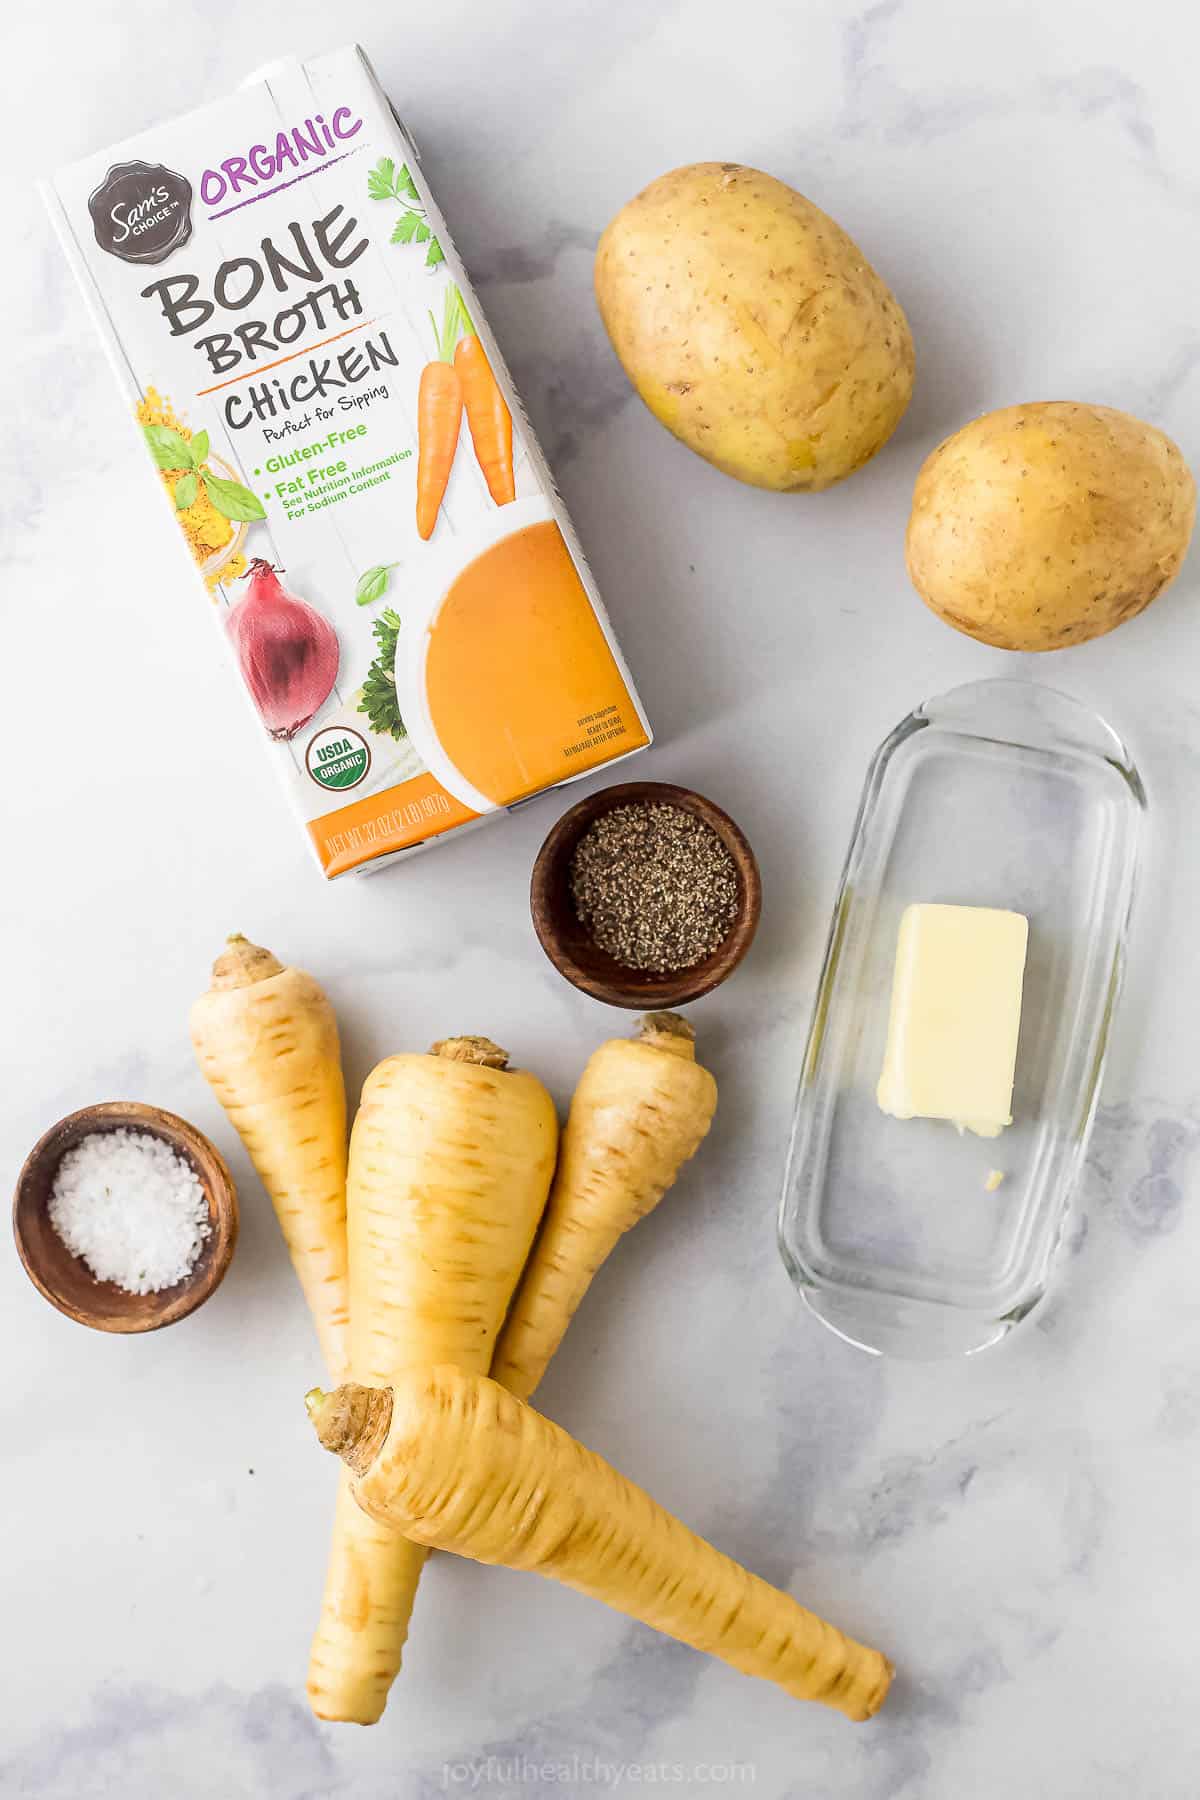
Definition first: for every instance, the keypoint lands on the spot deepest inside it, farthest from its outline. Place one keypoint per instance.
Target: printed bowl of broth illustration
(501, 661)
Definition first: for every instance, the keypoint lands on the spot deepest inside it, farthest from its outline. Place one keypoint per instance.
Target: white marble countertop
(1019, 1530)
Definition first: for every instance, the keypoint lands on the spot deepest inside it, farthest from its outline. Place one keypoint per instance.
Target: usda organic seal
(337, 757)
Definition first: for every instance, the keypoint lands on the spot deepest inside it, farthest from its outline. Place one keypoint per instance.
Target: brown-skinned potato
(1047, 524)
(753, 327)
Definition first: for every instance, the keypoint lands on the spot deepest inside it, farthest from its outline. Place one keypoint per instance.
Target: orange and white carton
(394, 575)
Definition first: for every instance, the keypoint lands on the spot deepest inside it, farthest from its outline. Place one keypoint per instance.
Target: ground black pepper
(654, 886)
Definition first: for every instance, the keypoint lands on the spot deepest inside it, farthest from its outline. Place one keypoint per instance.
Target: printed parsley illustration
(386, 182)
(379, 689)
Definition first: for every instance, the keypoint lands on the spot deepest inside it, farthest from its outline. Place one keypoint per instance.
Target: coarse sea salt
(132, 1208)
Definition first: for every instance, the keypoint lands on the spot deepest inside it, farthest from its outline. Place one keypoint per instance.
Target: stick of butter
(955, 1015)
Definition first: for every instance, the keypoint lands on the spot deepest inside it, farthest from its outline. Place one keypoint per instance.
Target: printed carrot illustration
(439, 416)
(487, 413)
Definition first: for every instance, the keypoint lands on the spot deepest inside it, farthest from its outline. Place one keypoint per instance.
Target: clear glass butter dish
(897, 1232)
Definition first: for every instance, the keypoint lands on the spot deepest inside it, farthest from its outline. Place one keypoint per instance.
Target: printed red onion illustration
(287, 651)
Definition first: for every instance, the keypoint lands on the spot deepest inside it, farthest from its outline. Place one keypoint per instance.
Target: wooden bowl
(565, 940)
(65, 1280)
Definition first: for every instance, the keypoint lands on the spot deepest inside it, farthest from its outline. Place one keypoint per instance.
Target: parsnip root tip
(352, 1422)
(241, 964)
(672, 1023)
(478, 1050)
(867, 1700)
(667, 1031)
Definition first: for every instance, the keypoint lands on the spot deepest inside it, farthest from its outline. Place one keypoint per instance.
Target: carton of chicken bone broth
(372, 523)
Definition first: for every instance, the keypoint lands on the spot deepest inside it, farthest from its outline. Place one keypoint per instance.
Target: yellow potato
(1047, 524)
(753, 327)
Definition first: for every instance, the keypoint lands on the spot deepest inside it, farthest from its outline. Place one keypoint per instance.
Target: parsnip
(267, 1043)
(450, 1162)
(458, 1463)
(641, 1109)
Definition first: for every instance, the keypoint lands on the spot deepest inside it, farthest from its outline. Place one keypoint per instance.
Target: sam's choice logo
(141, 212)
